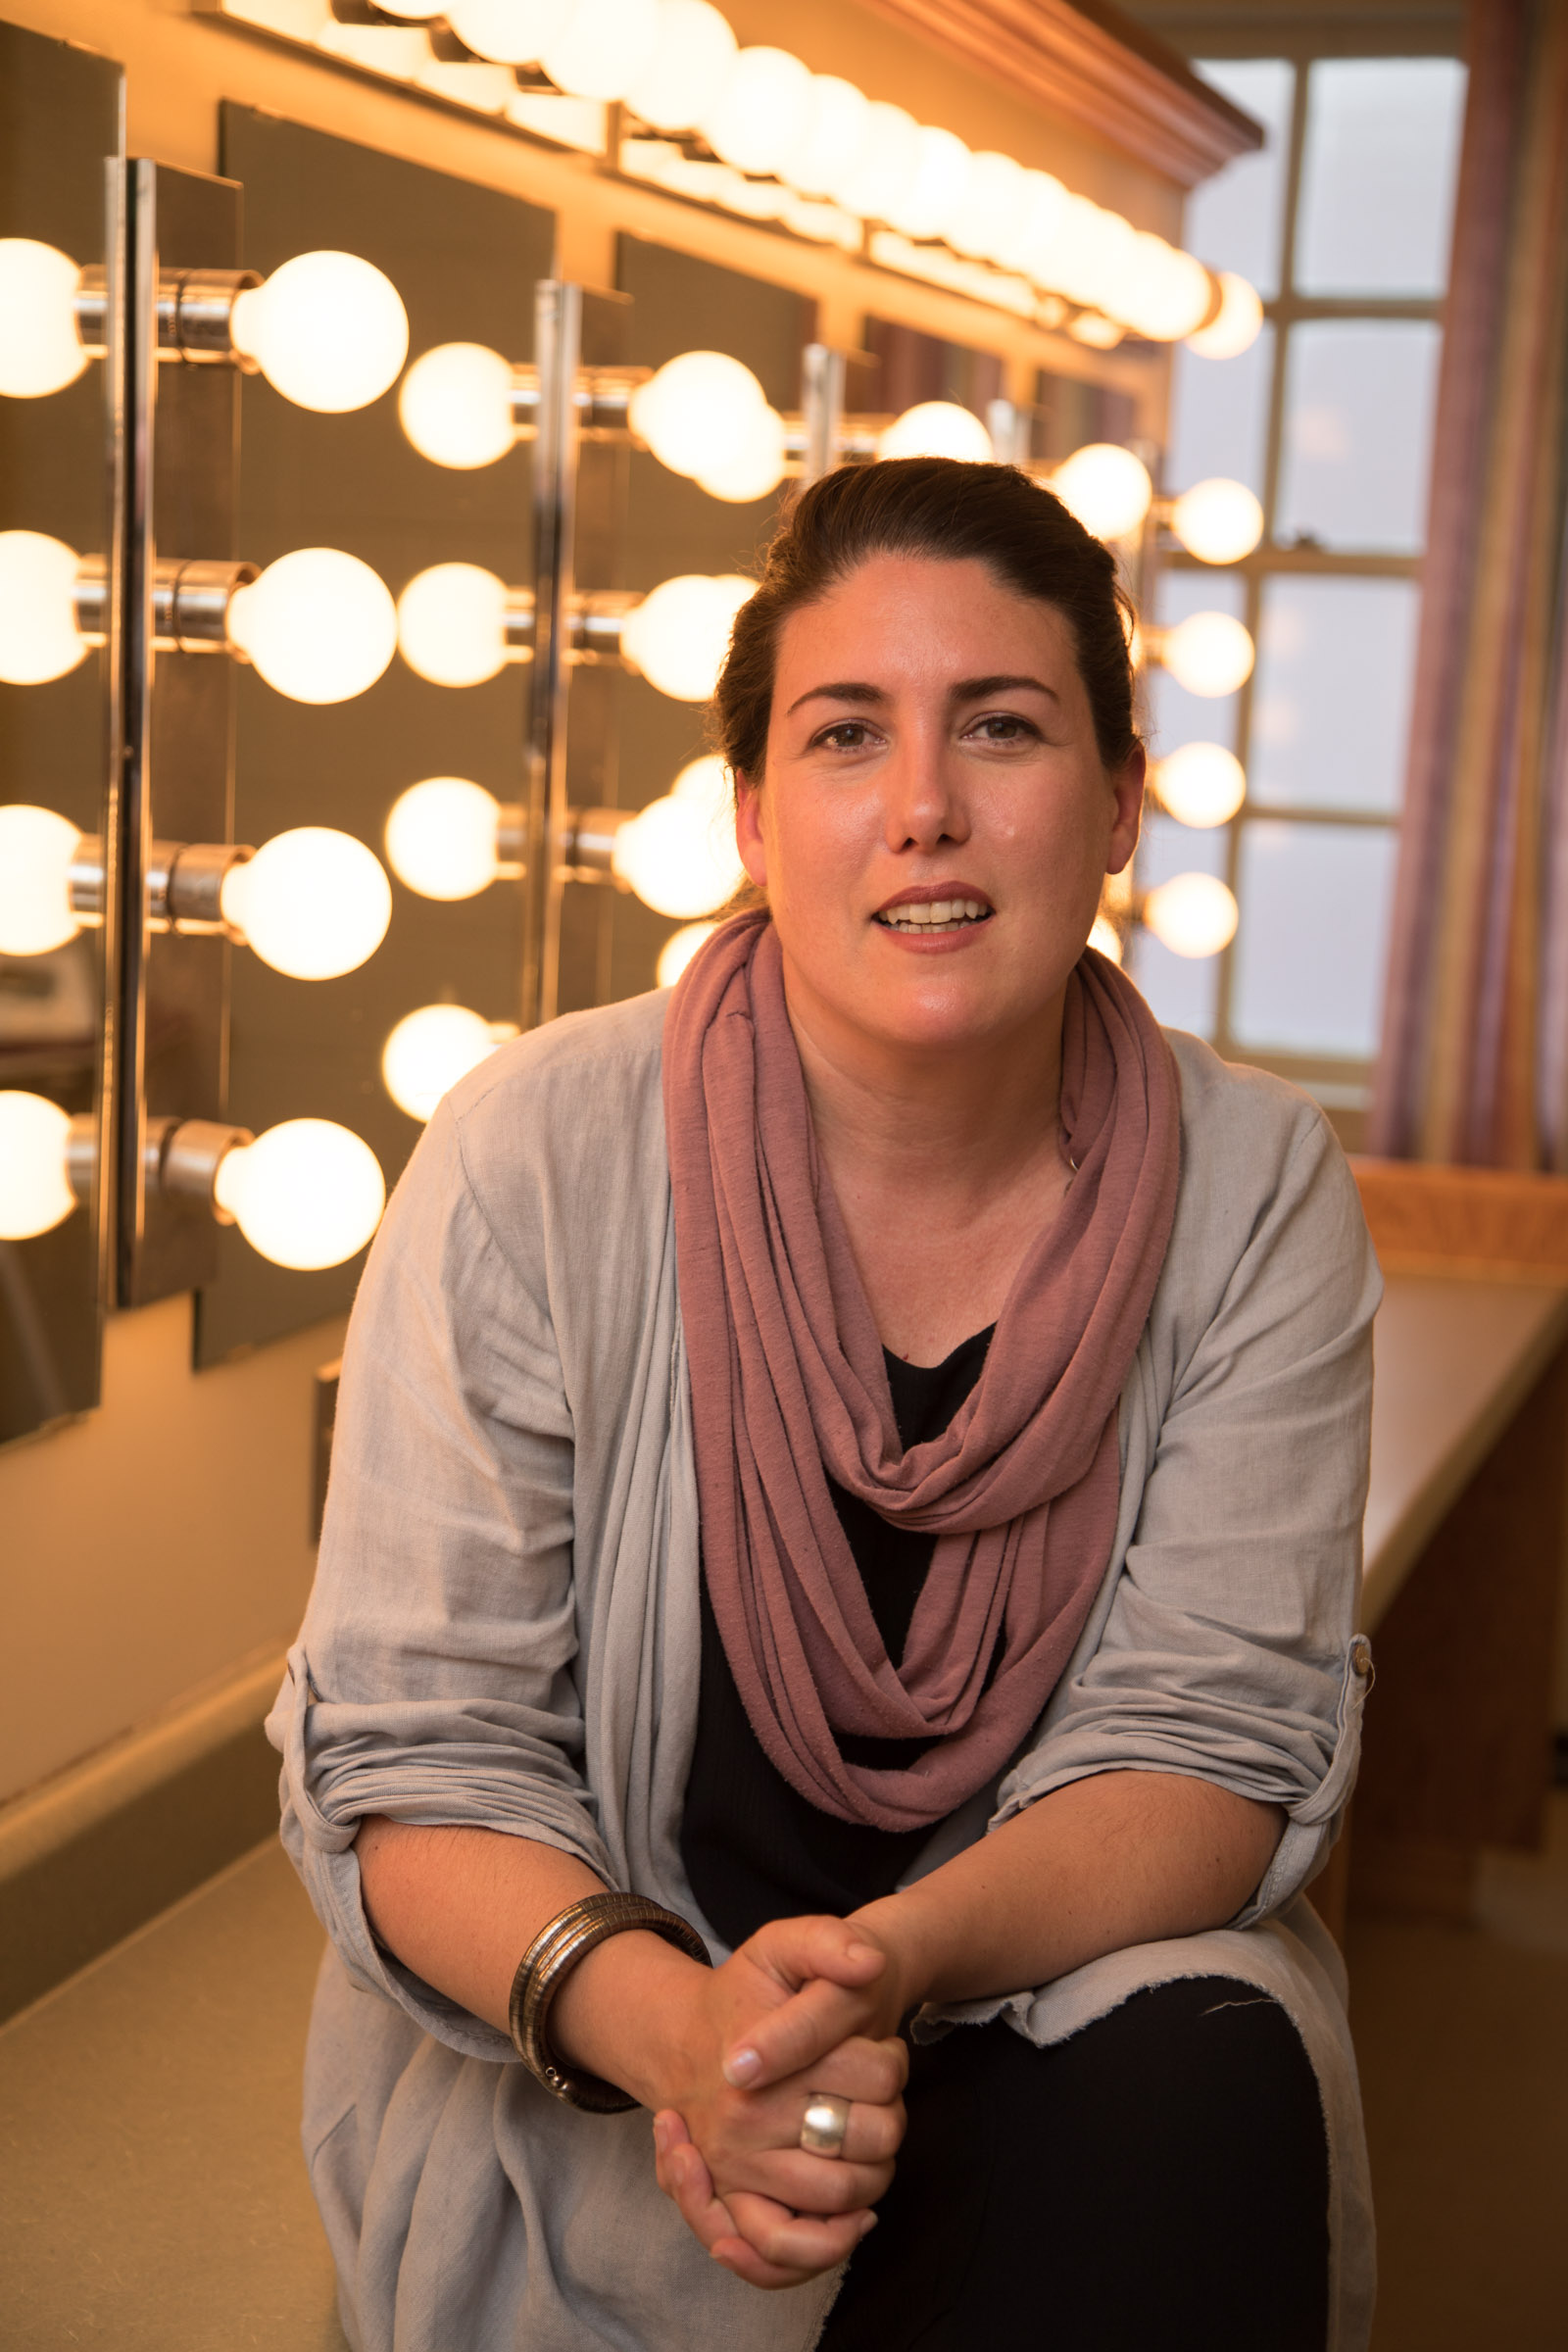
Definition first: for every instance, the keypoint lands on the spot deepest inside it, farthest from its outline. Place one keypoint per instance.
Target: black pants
(1156, 2183)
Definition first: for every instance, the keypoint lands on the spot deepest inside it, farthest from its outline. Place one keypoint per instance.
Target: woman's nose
(923, 805)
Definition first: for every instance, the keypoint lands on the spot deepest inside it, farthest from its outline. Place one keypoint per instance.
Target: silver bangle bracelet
(545, 1967)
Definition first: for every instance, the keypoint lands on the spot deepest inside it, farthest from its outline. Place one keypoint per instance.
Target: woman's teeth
(934, 915)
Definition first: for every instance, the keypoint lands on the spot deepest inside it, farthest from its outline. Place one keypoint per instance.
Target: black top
(754, 1848)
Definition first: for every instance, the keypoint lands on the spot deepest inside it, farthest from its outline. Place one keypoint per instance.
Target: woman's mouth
(926, 915)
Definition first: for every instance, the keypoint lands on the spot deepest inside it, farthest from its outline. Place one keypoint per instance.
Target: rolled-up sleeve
(1229, 1652)
(433, 1678)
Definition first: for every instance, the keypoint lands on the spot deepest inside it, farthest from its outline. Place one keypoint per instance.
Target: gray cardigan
(505, 1632)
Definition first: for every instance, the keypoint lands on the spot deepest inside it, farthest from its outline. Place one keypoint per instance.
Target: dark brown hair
(955, 511)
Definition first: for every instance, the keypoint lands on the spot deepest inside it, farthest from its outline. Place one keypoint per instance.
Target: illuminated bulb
(994, 196)
(884, 169)
(828, 150)
(509, 32)
(455, 405)
(1191, 914)
(450, 624)
(1105, 937)
(937, 187)
(1201, 784)
(679, 949)
(1235, 326)
(319, 626)
(327, 330)
(692, 54)
(679, 635)
(311, 903)
(430, 1049)
(1166, 293)
(672, 855)
(1208, 653)
(758, 113)
(600, 47)
(37, 847)
(1107, 488)
(1038, 225)
(936, 428)
(441, 837)
(39, 348)
(703, 413)
(38, 634)
(307, 1194)
(708, 785)
(35, 1192)
(754, 470)
(1217, 522)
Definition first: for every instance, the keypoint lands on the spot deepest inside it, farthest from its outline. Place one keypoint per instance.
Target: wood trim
(1094, 67)
(1486, 1222)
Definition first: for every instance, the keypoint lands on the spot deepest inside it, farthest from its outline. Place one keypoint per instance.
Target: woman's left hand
(797, 2034)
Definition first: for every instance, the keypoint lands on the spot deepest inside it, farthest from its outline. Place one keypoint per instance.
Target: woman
(867, 1454)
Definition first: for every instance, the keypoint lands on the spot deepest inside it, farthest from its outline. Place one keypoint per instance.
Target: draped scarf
(789, 1386)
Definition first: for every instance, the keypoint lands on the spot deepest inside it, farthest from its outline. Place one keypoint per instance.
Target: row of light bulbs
(676, 67)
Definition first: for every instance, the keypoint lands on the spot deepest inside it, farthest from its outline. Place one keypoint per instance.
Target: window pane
(1378, 171)
(1309, 950)
(1220, 415)
(1176, 716)
(1331, 706)
(1183, 989)
(1358, 405)
(1233, 220)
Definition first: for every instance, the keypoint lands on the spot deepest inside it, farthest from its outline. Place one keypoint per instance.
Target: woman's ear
(1127, 784)
(749, 830)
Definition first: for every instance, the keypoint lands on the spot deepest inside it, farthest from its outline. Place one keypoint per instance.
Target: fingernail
(661, 2134)
(863, 1951)
(869, 2225)
(742, 2066)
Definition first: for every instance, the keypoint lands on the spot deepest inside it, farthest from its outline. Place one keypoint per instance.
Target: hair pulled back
(955, 511)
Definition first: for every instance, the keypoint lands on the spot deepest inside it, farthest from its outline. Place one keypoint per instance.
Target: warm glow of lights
(676, 855)
(441, 837)
(37, 847)
(1207, 653)
(1191, 914)
(307, 1194)
(1201, 784)
(679, 949)
(704, 414)
(1235, 326)
(825, 156)
(430, 1049)
(679, 635)
(39, 348)
(885, 162)
(1106, 939)
(35, 1192)
(936, 188)
(937, 429)
(1107, 488)
(753, 471)
(759, 111)
(455, 405)
(327, 330)
(693, 51)
(313, 902)
(450, 624)
(39, 638)
(319, 626)
(600, 47)
(1217, 522)
(510, 32)
(994, 194)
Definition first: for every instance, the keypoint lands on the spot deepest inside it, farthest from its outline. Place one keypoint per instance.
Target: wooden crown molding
(1094, 67)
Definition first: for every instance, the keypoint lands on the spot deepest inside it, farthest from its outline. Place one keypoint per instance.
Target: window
(1343, 223)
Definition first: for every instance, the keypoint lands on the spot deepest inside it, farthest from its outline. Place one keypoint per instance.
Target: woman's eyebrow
(849, 691)
(967, 690)
(976, 690)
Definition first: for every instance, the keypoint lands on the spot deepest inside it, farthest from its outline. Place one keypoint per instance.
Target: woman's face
(934, 824)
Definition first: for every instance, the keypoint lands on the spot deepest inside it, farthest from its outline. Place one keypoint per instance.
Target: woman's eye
(1002, 727)
(850, 735)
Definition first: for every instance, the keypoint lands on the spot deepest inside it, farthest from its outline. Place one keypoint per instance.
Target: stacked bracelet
(545, 1967)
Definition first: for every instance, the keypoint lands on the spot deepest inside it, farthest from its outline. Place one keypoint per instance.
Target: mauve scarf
(788, 1385)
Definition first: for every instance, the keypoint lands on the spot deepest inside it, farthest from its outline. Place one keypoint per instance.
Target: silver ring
(827, 2121)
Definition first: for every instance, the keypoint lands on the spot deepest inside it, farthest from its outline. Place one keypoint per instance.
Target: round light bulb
(327, 330)
(937, 187)
(692, 53)
(679, 635)
(1235, 326)
(707, 785)
(884, 168)
(35, 1192)
(937, 429)
(430, 1049)
(671, 856)
(441, 837)
(1191, 914)
(509, 32)
(313, 902)
(700, 413)
(455, 405)
(39, 638)
(600, 47)
(40, 351)
(307, 1194)
(1107, 488)
(37, 847)
(678, 950)
(1042, 219)
(1217, 522)
(452, 624)
(994, 196)
(753, 471)
(1201, 784)
(1209, 654)
(319, 626)
(1166, 293)
(832, 136)
(1106, 939)
(759, 111)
